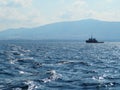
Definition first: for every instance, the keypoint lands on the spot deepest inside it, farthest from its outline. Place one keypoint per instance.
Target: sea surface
(59, 65)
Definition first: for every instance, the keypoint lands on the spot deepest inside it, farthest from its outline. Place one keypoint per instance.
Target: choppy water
(52, 65)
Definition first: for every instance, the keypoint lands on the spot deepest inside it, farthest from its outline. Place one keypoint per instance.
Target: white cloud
(78, 3)
(81, 9)
(109, 1)
(3, 2)
(15, 18)
(9, 12)
(107, 16)
(22, 13)
(12, 14)
(21, 16)
(24, 3)
(77, 10)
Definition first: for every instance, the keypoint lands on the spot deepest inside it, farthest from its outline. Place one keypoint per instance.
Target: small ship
(92, 40)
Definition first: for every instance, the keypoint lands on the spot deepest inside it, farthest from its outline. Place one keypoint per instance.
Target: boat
(92, 40)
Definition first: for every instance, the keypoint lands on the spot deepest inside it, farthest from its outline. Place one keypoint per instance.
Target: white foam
(21, 72)
(54, 76)
(31, 85)
(12, 62)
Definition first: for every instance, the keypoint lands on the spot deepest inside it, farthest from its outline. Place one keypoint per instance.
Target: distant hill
(74, 30)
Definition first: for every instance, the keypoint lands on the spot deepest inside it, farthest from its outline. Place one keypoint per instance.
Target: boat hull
(94, 42)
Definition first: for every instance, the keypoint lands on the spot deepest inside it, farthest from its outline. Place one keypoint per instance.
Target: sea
(59, 65)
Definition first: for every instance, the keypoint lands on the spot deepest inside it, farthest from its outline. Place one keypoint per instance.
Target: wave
(52, 76)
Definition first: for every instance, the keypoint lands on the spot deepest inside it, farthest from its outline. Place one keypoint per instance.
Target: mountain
(74, 30)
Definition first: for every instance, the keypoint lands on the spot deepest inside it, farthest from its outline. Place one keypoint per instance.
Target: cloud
(107, 16)
(79, 3)
(24, 13)
(12, 14)
(14, 9)
(3, 2)
(109, 1)
(81, 9)
(15, 18)
(24, 3)
(21, 3)
(77, 10)
(19, 13)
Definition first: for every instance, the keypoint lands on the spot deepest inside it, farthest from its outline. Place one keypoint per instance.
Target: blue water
(59, 65)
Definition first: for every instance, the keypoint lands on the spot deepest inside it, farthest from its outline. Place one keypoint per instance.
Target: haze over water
(59, 65)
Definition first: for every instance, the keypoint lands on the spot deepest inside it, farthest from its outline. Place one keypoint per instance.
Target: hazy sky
(32, 13)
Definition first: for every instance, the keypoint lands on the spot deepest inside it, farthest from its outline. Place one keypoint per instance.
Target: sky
(33, 13)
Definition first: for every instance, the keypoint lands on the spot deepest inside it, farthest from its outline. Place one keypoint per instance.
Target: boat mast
(91, 36)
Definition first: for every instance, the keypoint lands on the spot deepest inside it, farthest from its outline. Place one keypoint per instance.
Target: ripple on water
(52, 75)
(59, 65)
